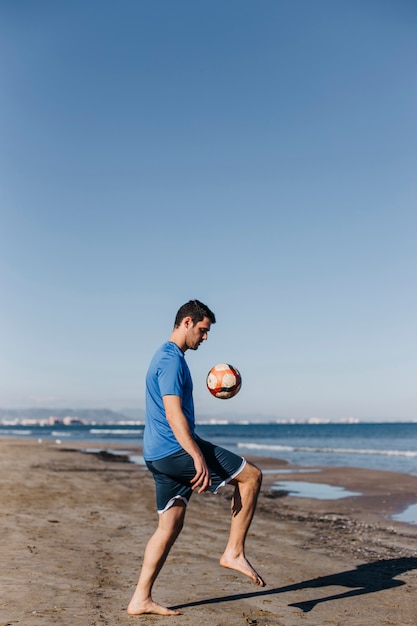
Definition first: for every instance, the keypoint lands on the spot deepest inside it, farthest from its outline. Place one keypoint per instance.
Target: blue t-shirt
(168, 375)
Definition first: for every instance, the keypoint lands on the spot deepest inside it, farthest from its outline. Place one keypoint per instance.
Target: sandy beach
(74, 528)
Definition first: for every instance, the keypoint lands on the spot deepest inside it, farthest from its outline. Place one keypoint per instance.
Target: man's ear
(188, 322)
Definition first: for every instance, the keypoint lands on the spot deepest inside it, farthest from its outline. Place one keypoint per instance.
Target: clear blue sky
(259, 156)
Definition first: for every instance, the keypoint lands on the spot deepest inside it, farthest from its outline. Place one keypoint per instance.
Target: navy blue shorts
(173, 473)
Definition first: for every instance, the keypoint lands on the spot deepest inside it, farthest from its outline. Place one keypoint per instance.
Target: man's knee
(256, 475)
(250, 475)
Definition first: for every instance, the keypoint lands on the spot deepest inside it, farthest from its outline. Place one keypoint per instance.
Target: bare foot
(149, 606)
(242, 565)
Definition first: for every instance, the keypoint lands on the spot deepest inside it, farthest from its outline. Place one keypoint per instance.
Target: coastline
(75, 526)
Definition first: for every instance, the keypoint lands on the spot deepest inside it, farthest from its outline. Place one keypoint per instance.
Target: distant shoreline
(388, 446)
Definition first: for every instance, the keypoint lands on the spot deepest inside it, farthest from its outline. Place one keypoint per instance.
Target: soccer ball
(223, 381)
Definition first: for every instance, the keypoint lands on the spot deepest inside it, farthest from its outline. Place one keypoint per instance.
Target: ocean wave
(373, 452)
(115, 431)
(21, 433)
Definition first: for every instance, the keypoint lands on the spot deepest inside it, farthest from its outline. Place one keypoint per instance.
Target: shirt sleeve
(171, 376)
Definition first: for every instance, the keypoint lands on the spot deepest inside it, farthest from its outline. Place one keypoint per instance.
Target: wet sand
(74, 528)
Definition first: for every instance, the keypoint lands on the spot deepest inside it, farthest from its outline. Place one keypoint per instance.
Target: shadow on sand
(366, 578)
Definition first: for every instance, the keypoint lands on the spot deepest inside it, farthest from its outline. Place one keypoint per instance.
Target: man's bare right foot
(242, 565)
(149, 607)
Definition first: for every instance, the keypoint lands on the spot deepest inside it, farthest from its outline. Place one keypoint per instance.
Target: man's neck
(179, 340)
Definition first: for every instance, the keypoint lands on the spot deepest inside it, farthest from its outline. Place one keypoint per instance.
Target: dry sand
(74, 528)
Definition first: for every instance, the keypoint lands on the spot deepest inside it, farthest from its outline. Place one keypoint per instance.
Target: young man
(182, 463)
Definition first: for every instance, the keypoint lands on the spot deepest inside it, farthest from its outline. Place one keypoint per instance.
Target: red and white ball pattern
(224, 381)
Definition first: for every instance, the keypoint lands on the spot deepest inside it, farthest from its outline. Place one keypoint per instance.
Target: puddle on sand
(137, 459)
(409, 515)
(303, 489)
(290, 471)
(319, 491)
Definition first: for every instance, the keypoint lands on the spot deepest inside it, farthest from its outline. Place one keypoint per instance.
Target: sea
(381, 446)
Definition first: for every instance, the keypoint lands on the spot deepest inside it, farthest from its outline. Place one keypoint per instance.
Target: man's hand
(201, 480)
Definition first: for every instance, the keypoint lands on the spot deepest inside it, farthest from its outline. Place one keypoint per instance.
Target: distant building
(71, 419)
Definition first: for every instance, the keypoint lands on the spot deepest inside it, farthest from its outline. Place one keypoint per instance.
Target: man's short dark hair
(196, 310)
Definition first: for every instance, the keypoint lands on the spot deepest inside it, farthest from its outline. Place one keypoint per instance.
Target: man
(182, 463)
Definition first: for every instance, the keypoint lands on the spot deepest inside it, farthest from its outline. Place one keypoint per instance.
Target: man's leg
(156, 552)
(247, 486)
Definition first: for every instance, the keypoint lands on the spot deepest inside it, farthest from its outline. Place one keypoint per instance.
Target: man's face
(197, 334)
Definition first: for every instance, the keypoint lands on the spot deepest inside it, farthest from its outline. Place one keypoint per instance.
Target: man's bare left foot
(242, 565)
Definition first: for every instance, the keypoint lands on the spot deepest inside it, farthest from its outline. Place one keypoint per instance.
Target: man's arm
(178, 422)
